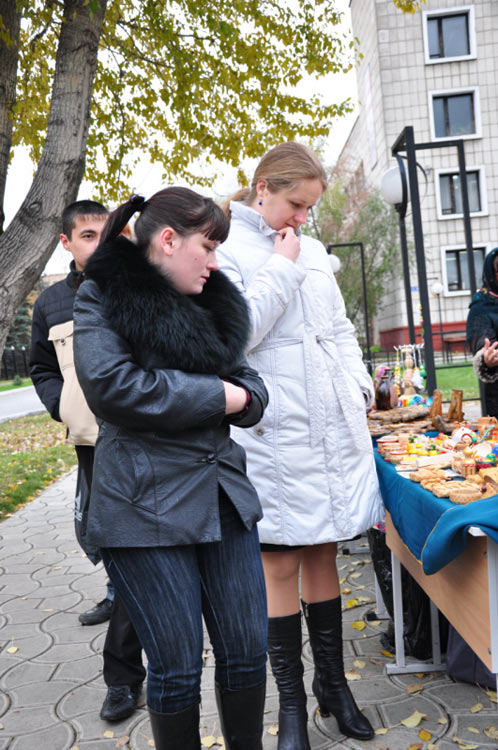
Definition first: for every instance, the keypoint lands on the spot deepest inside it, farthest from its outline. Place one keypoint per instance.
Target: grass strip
(32, 455)
(462, 378)
(11, 385)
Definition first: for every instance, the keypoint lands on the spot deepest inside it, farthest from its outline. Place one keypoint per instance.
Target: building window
(457, 272)
(451, 194)
(455, 113)
(449, 34)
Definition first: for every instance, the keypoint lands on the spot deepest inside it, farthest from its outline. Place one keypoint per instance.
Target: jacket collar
(247, 214)
(203, 333)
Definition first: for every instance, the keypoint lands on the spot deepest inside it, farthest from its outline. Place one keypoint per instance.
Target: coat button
(211, 458)
(260, 431)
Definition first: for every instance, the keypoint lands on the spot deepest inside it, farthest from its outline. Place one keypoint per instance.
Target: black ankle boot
(241, 716)
(178, 731)
(330, 686)
(284, 650)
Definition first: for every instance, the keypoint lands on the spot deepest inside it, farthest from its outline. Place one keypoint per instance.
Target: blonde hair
(283, 167)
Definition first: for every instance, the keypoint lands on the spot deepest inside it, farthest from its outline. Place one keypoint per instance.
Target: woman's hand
(236, 398)
(287, 244)
(490, 354)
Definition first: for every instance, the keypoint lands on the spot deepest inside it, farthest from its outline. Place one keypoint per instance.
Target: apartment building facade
(436, 70)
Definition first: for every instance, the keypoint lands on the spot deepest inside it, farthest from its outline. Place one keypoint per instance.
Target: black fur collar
(205, 333)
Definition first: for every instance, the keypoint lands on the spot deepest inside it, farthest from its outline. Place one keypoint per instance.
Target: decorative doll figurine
(468, 464)
(408, 375)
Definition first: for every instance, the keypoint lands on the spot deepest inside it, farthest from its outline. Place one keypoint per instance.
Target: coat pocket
(132, 474)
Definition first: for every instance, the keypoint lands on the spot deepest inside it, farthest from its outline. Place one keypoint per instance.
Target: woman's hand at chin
(287, 244)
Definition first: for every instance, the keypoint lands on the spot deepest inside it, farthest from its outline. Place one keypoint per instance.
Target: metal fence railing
(14, 362)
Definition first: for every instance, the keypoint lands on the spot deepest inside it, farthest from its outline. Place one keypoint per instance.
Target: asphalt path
(19, 402)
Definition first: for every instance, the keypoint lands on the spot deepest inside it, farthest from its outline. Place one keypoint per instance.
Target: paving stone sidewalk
(51, 686)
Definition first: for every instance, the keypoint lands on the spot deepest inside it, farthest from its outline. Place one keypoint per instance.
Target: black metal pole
(406, 278)
(365, 306)
(419, 250)
(365, 300)
(466, 217)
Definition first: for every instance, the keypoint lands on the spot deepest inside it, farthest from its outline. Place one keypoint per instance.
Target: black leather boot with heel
(177, 731)
(324, 620)
(241, 716)
(284, 650)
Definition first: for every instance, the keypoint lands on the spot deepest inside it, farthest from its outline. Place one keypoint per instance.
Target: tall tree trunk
(31, 237)
(9, 55)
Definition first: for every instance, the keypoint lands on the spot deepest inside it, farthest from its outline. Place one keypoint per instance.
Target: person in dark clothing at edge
(160, 335)
(482, 332)
(54, 377)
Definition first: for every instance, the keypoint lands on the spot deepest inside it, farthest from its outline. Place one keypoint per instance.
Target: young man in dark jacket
(54, 377)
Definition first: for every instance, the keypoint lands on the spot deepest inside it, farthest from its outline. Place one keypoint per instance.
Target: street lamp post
(394, 190)
(331, 247)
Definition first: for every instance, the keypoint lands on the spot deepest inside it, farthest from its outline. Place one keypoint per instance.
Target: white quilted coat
(310, 458)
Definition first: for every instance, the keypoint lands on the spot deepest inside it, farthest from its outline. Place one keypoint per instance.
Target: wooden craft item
(455, 411)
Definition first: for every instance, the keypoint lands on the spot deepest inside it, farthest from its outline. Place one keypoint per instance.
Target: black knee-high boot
(284, 650)
(330, 686)
(241, 716)
(178, 731)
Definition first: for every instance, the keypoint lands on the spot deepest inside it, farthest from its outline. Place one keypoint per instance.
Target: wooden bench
(453, 339)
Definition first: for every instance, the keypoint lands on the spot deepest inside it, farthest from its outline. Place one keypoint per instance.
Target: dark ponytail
(120, 217)
(184, 210)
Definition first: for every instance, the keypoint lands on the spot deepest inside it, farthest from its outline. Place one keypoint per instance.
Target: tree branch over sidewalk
(90, 87)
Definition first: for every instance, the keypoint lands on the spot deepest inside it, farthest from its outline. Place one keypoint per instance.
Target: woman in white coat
(310, 457)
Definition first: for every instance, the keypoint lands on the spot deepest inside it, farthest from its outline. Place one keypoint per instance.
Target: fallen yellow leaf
(358, 625)
(352, 603)
(346, 591)
(359, 664)
(491, 732)
(151, 743)
(356, 575)
(208, 741)
(358, 588)
(352, 675)
(466, 746)
(341, 580)
(374, 622)
(220, 741)
(431, 746)
(12, 650)
(491, 695)
(474, 730)
(415, 746)
(424, 735)
(413, 720)
(108, 734)
(476, 708)
(382, 730)
(273, 730)
(387, 653)
(442, 720)
(414, 687)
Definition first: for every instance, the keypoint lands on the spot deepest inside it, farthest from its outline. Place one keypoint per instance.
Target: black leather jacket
(150, 362)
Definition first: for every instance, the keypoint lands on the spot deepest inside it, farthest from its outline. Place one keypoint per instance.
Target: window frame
(469, 10)
(448, 248)
(482, 192)
(474, 91)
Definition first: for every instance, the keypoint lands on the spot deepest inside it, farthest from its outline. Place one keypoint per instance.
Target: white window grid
(482, 192)
(474, 90)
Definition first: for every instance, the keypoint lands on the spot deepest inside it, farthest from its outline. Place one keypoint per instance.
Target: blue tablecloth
(433, 528)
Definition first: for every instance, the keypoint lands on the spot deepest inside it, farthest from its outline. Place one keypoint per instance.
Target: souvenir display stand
(452, 553)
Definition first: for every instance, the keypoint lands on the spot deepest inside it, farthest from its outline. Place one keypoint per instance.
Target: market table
(452, 553)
